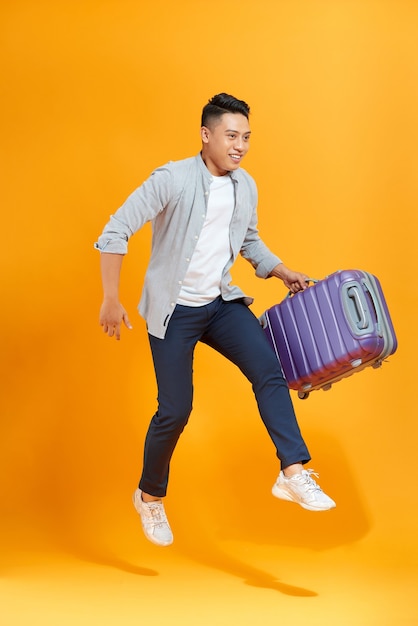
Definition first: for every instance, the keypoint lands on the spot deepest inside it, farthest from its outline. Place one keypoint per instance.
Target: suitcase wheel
(302, 395)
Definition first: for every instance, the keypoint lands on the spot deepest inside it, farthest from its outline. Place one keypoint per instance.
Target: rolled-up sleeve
(142, 206)
(114, 239)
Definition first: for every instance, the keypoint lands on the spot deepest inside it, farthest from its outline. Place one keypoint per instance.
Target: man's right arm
(112, 313)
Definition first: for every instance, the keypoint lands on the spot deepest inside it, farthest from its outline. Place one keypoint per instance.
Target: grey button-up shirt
(174, 198)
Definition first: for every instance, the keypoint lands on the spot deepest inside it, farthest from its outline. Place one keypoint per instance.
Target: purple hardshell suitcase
(337, 327)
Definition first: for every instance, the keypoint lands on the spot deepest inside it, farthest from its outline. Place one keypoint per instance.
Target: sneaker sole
(284, 495)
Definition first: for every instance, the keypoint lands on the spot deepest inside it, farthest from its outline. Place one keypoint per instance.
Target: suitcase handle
(363, 322)
(308, 280)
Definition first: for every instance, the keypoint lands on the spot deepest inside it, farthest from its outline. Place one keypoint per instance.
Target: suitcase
(338, 326)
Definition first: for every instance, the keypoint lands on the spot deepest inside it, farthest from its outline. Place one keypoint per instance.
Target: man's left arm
(294, 281)
(264, 261)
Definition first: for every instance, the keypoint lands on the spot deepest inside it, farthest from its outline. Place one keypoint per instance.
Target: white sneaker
(303, 489)
(154, 520)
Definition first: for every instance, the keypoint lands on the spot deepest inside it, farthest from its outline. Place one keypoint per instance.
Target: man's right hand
(112, 314)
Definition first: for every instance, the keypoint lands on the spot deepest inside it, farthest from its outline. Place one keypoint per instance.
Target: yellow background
(94, 95)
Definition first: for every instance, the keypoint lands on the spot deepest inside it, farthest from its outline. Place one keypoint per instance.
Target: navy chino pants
(233, 330)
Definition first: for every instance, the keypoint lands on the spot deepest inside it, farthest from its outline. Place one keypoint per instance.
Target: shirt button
(187, 259)
(180, 282)
(196, 237)
(172, 304)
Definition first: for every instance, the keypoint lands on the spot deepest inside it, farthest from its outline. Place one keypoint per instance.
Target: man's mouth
(235, 157)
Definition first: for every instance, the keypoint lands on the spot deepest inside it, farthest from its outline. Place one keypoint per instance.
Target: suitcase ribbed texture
(336, 327)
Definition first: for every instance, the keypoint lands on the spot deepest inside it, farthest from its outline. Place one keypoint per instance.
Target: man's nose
(239, 144)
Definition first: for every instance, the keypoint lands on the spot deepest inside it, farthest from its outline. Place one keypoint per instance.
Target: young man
(203, 213)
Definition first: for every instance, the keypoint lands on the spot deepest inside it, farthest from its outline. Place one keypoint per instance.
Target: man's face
(225, 143)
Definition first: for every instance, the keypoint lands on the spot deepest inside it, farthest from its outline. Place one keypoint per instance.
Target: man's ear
(204, 133)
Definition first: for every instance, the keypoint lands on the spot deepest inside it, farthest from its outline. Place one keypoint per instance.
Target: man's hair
(221, 104)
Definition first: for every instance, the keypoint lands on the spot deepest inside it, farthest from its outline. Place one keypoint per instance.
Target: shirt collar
(208, 175)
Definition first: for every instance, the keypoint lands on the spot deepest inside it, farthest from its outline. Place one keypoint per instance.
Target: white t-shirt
(201, 284)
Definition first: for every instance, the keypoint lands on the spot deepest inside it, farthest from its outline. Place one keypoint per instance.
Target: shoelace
(307, 479)
(157, 512)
